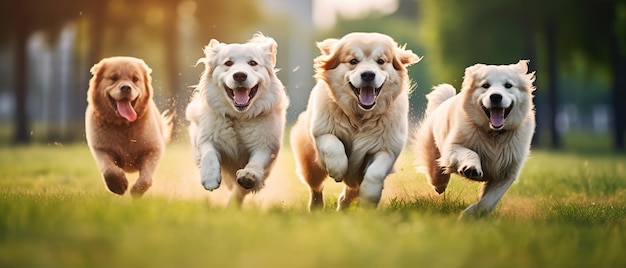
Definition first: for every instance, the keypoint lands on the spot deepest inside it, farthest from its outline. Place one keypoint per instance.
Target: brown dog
(125, 131)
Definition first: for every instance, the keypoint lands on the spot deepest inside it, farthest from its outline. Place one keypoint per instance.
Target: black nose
(240, 77)
(125, 88)
(368, 76)
(495, 98)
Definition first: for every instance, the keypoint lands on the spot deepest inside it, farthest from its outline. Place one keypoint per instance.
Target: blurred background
(577, 47)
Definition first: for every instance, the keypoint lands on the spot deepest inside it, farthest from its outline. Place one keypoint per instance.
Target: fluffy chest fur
(363, 133)
(126, 142)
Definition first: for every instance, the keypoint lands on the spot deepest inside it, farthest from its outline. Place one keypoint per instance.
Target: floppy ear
(147, 79)
(329, 59)
(468, 78)
(95, 68)
(269, 45)
(404, 58)
(96, 72)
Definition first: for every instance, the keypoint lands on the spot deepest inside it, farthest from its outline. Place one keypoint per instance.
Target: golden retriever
(483, 133)
(125, 131)
(237, 115)
(356, 121)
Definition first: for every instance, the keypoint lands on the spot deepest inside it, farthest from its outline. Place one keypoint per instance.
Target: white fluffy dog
(356, 122)
(483, 133)
(237, 115)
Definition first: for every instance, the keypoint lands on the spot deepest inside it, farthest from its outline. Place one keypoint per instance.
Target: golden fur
(237, 115)
(483, 133)
(124, 129)
(356, 122)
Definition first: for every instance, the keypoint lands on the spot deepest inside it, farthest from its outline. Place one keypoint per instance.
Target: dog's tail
(167, 124)
(439, 94)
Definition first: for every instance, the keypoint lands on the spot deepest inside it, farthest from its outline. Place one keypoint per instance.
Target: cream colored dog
(237, 115)
(483, 133)
(355, 125)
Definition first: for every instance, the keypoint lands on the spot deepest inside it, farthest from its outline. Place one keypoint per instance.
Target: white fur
(236, 145)
(455, 135)
(336, 136)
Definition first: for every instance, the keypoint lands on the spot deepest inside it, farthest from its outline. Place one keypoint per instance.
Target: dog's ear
(209, 52)
(147, 79)
(269, 45)
(468, 78)
(96, 67)
(404, 58)
(329, 59)
(96, 72)
(529, 78)
(326, 46)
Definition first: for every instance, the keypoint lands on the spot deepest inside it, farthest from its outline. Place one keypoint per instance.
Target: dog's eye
(114, 78)
(486, 85)
(380, 61)
(135, 79)
(354, 61)
(252, 63)
(508, 85)
(229, 63)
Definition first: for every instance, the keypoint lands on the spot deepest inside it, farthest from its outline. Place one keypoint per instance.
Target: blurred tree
(20, 19)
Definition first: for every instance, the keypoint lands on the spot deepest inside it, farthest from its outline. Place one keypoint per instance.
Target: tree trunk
(618, 93)
(172, 69)
(555, 139)
(21, 121)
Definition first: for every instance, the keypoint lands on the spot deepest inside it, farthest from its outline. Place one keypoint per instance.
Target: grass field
(567, 210)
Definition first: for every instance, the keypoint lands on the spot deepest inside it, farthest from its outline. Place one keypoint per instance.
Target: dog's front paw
(337, 167)
(210, 177)
(474, 211)
(249, 180)
(471, 172)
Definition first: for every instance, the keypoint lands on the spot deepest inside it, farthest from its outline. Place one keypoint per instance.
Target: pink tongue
(367, 96)
(497, 117)
(126, 110)
(241, 96)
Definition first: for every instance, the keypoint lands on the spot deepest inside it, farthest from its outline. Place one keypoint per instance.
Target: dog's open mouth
(125, 108)
(366, 95)
(497, 115)
(241, 96)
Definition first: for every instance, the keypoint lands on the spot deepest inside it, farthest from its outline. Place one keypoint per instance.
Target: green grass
(567, 210)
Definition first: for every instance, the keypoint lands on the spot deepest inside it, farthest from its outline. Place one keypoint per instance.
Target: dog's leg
(252, 176)
(146, 170)
(114, 177)
(346, 197)
(372, 186)
(491, 194)
(333, 155)
(236, 197)
(435, 174)
(210, 175)
(461, 160)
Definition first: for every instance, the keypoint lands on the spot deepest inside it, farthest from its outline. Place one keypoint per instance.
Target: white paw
(210, 174)
(337, 166)
(370, 193)
(474, 211)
